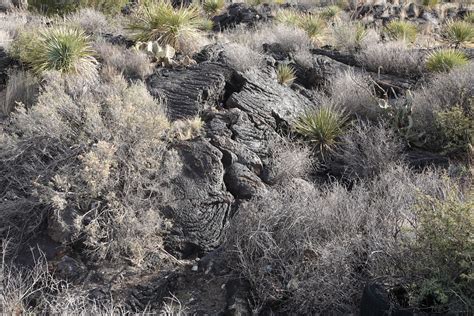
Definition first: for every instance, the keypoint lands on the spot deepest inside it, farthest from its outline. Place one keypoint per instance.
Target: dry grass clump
(307, 250)
(350, 36)
(366, 150)
(131, 63)
(90, 162)
(288, 160)
(160, 21)
(90, 20)
(392, 58)
(290, 38)
(22, 87)
(446, 59)
(354, 93)
(312, 24)
(242, 58)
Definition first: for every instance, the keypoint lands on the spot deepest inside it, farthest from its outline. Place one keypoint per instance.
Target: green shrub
(322, 127)
(401, 30)
(288, 17)
(430, 3)
(285, 74)
(159, 21)
(459, 32)
(456, 130)
(443, 275)
(445, 60)
(212, 7)
(67, 50)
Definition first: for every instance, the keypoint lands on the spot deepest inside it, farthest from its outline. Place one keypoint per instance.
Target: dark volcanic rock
(242, 182)
(266, 101)
(201, 204)
(191, 90)
(238, 13)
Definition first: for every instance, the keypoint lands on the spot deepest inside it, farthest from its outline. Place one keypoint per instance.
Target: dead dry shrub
(307, 250)
(287, 161)
(392, 58)
(366, 150)
(132, 64)
(90, 163)
(22, 87)
(355, 93)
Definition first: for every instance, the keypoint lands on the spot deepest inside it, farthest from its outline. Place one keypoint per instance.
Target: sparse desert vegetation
(263, 157)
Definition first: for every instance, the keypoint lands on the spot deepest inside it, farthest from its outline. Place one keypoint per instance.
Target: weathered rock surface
(242, 182)
(189, 91)
(240, 13)
(201, 204)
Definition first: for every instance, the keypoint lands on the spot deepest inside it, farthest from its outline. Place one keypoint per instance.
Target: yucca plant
(469, 18)
(322, 127)
(285, 74)
(459, 32)
(430, 3)
(161, 22)
(401, 30)
(212, 7)
(288, 17)
(313, 25)
(330, 12)
(67, 50)
(445, 60)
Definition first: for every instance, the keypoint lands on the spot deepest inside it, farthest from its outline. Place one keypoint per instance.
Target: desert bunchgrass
(288, 17)
(161, 22)
(322, 127)
(285, 74)
(445, 60)
(401, 30)
(67, 50)
(212, 7)
(459, 32)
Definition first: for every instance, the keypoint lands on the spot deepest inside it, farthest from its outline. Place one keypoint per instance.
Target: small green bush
(67, 50)
(212, 7)
(459, 32)
(445, 60)
(288, 17)
(401, 30)
(456, 130)
(430, 3)
(285, 74)
(313, 25)
(443, 275)
(322, 127)
(161, 22)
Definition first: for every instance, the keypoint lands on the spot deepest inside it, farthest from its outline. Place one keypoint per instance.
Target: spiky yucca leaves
(469, 18)
(459, 32)
(445, 60)
(212, 7)
(161, 22)
(330, 12)
(401, 30)
(67, 50)
(285, 74)
(322, 127)
(313, 25)
(288, 17)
